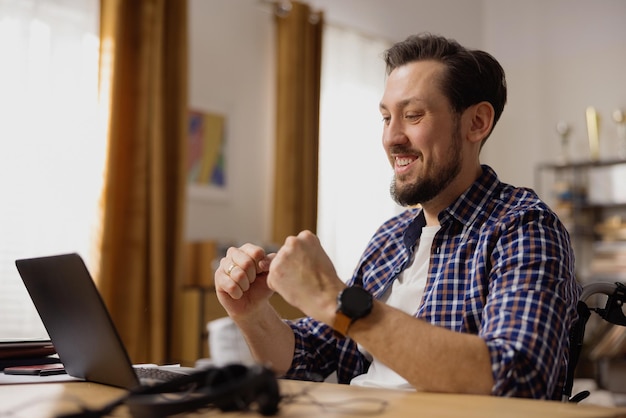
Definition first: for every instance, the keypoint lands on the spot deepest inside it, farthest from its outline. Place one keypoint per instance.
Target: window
(52, 142)
(354, 174)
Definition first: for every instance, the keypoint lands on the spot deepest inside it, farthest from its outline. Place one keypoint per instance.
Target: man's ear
(481, 121)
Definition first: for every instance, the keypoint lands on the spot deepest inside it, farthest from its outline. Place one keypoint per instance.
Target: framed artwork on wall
(207, 160)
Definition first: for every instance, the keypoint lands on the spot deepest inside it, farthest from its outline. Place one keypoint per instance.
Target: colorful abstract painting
(206, 151)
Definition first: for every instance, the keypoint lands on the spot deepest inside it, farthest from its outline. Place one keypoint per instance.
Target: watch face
(355, 302)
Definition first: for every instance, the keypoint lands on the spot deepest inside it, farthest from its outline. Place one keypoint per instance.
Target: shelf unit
(590, 199)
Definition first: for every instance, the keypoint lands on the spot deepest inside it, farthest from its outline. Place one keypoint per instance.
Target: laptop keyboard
(154, 375)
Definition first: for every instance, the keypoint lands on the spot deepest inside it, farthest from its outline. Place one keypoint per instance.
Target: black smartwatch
(353, 303)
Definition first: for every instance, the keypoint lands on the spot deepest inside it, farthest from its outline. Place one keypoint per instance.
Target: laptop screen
(77, 320)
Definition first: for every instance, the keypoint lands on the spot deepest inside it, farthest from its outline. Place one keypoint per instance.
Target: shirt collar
(464, 209)
(470, 204)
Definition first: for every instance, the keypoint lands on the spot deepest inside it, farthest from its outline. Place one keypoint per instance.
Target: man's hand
(241, 287)
(240, 280)
(303, 274)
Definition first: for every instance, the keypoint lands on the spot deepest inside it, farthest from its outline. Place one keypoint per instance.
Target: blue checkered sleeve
(530, 306)
(318, 353)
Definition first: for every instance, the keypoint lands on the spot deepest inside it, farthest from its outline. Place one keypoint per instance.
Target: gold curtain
(299, 46)
(143, 70)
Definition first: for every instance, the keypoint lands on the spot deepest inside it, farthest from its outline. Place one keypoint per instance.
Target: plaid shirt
(501, 267)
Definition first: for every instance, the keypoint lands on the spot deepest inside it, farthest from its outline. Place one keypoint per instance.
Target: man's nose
(394, 134)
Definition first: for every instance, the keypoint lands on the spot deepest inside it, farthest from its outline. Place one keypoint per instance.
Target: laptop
(79, 324)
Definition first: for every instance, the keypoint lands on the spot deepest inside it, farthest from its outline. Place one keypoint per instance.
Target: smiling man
(470, 290)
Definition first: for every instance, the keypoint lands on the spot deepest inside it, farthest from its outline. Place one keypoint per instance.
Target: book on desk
(26, 352)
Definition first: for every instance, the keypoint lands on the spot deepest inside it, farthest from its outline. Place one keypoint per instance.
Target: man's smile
(402, 163)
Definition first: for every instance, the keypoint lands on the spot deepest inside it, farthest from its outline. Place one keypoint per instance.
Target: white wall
(394, 20)
(232, 72)
(560, 56)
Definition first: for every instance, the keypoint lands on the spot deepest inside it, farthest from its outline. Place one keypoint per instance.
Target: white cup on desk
(226, 344)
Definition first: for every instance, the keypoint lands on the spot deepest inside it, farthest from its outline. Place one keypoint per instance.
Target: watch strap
(341, 325)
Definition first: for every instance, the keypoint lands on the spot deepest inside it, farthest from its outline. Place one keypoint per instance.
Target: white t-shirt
(404, 292)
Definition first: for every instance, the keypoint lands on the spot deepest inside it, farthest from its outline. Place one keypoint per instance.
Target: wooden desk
(305, 400)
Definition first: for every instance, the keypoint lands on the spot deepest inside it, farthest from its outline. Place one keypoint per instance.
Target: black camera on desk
(233, 387)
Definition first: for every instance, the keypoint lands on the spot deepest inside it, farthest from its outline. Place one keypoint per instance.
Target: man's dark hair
(471, 76)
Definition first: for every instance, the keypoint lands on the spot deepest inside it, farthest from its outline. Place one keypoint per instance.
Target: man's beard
(424, 189)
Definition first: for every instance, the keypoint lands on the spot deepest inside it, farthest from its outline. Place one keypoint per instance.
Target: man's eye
(386, 119)
(412, 116)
